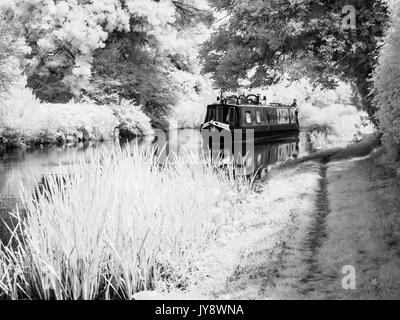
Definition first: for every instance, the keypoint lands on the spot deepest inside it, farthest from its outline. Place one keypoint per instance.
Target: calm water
(19, 168)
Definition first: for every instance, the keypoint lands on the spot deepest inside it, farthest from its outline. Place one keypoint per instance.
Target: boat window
(210, 114)
(248, 117)
(279, 116)
(286, 115)
(219, 115)
(231, 115)
(273, 116)
(292, 116)
(226, 115)
(258, 116)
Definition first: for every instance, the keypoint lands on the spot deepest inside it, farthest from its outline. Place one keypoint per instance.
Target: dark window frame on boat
(231, 115)
(249, 118)
(258, 116)
(269, 116)
(286, 115)
(225, 116)
(292, 116)
(279, 116)
(211, 114)
(220, 114)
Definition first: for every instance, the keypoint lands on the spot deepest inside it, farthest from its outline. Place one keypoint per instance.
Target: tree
(122, 49)
(266, 41)
(8, 50)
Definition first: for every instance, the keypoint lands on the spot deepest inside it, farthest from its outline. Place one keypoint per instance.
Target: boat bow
(216, 124)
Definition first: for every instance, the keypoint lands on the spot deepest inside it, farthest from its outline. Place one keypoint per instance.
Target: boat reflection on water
(250, 157)
(253, 157)
(270, 152)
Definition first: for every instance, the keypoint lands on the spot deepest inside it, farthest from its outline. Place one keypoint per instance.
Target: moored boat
(250, 113)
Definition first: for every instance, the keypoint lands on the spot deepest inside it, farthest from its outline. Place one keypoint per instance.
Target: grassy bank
(265, 252)
(288, 251)
(293, 238)
(115, 226)
(258, 253)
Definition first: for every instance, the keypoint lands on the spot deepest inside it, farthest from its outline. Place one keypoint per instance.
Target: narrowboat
(249, 112)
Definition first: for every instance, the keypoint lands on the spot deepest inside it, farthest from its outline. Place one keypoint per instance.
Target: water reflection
(270, 152)
(251, 157)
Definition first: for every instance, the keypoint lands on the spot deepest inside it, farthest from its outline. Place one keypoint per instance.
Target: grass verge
(363, 228)
(259, 252)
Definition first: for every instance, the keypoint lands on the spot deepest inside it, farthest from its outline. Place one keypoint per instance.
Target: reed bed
(115, 225)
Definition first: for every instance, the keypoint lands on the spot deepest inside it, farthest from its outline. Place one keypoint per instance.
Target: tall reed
(112, 226)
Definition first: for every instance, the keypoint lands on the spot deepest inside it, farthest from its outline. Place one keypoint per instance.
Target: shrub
(194, 93)
(334, 125)
(26, 121)
(131, 119)
(387, 87)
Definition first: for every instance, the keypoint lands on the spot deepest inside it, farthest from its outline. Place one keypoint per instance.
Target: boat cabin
(247, 112)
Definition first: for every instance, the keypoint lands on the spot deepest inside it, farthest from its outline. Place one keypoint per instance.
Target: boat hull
(255, 133)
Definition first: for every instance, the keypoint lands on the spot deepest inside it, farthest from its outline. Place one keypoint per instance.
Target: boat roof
(268, 106)
(249, 101)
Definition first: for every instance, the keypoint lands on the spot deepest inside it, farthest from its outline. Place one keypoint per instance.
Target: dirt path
(317, 232)
(359, 149)
(355, 224)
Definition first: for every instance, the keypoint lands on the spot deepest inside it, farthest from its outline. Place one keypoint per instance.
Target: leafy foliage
(8, 50)
(131, 119)
(268, 40)
(105, 48)
(386, 85)
(26, 122)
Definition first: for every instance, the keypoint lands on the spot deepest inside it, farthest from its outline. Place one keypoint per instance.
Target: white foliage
(83, 27)
(303, 91)
(194, 94)
(387, 87)
(132, 119)
(25, 120)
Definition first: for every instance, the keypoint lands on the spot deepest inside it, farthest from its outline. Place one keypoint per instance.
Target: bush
(131, 119)
(26, 121)
(334, 125)
(194, 93)
(387, 87)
